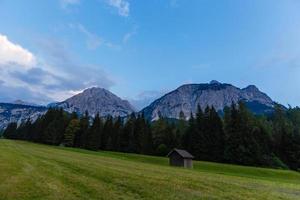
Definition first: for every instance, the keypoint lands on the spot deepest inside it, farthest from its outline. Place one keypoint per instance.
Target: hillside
(33, 171)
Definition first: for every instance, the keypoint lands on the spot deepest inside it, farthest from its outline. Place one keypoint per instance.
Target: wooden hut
(180, 158)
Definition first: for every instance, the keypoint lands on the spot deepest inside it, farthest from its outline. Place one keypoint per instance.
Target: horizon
(52, 50)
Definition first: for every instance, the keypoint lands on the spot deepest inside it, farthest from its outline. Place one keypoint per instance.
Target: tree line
(237, 136)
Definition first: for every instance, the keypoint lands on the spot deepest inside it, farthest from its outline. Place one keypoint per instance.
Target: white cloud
(121, 5)
(14, 54)
(52, 75)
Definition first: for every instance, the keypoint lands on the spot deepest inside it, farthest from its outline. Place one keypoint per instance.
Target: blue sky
(50, 50)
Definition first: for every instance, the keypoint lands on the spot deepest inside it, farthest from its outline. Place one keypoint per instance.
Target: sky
(139, 50)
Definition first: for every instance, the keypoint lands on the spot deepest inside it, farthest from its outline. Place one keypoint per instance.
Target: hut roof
(182, 153)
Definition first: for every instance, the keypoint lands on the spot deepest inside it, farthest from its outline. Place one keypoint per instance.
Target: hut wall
(176, 160)
(188, 163)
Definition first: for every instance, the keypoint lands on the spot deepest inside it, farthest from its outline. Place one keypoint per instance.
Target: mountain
(11, 112)
(20, 102)
(96, 100)
(187, 97)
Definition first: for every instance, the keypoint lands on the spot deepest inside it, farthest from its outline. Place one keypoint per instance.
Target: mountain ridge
(11, 112)
(187, 97)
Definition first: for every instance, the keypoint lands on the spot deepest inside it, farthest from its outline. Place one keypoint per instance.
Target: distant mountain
(20, 102)
(96, 100)
(187, 97)
(11, 112)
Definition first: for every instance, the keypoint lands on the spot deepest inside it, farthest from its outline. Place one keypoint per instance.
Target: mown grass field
(33, 171)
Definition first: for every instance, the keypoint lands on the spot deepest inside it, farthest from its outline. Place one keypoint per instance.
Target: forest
(237, 136)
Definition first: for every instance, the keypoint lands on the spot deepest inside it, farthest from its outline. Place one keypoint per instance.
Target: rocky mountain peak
(95, 91)
(187, 98)
(214, 82)
(251, 88)
(97, 100)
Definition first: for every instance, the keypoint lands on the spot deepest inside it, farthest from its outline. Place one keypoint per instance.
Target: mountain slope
(18, 113)
(187, 97)
(97, 100)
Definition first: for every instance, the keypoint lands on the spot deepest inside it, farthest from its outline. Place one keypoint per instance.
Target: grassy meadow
(34, 171)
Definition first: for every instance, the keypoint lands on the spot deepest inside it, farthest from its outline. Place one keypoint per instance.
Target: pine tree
(94, 135)
(293, 115)
(242, 144)
(52, 126)
(284, 146)
(146, 137)
(28, 130)
(181, 128)
(126, 139)
(80, 139)
(231, 135)
(11, 131)
(71, 131)
(107, 134)
(114, 140)
(164, 135)
(217, 136)
(138, 131)
(190, 140)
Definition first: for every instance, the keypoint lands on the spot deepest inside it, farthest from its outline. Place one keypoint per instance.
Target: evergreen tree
(217, 136)
(11, 131)
(285, 143)
(164, 135)
(114, 139)
(138, 131)
(242, 143)
(190, 139)
(180, 129)
(71, 131)
(80, 139)
(126, 140)
(36, 131)
(27, 131)
(107, 134)
(146, 137)
(94, 135)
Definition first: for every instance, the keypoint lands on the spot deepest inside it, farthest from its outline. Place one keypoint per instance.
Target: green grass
(33, 171)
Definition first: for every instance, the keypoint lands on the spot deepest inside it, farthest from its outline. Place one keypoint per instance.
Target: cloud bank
(54, 76)
(11, 53)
